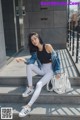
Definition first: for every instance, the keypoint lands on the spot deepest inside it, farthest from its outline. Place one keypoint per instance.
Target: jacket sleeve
(55, 62)
(32, 59)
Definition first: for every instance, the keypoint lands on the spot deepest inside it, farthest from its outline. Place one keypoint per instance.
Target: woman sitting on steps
(44, 54)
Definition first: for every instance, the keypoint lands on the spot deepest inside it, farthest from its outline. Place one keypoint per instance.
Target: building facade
(20, 17)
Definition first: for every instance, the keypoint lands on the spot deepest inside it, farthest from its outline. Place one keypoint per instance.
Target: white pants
(47, 73)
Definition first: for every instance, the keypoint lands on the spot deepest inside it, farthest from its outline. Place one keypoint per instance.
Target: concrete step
(46, 111)
(14, 94)
(20, 81)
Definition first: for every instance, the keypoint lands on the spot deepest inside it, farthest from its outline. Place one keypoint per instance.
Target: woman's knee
(39, 85)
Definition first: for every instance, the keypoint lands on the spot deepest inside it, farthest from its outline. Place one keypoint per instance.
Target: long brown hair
(33, 48)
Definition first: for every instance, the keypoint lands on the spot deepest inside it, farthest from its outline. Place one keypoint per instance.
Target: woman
(44, 68)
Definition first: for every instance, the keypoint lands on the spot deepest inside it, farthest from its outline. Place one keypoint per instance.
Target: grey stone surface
(49, 23)
(26, 21)
(22, 81)
(41, 19)
(54, 36)
(56, 19)
(35, 19)
(47, 109)
(36, 5)
(59, 20)
(14, 94)
(43, 111)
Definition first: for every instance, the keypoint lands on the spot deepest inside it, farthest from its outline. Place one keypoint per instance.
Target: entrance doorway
(13, 26)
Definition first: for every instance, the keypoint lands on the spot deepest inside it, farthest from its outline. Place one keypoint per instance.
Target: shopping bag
(61, 85)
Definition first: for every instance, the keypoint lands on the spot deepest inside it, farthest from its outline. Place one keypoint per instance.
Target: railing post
(77, 48)
(68, 37)
(73, 42)
(70, 40)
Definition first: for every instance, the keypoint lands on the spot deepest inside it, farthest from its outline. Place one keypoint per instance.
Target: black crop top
(44, 56)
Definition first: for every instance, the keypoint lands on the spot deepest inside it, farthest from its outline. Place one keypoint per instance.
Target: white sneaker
(28, 92)
(25, 111)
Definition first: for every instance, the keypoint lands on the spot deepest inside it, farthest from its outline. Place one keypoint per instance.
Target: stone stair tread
(22, 81)
(47, 109)
(12, 90)
(34, 75)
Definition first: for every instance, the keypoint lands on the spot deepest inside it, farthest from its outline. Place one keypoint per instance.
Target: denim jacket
(55, 61)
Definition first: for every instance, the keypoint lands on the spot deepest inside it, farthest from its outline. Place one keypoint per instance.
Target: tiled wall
(49, 21)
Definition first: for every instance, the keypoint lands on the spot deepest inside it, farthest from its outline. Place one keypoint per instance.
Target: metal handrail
(71, 42)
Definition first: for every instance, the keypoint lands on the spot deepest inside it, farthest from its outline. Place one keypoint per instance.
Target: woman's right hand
(20, 59)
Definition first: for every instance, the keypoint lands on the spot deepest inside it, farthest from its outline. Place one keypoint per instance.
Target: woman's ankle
(31, 87)
(27, 106)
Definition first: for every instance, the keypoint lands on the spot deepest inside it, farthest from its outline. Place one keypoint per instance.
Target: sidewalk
(14, 68)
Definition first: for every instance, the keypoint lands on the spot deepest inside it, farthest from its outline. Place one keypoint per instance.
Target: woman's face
(35, 40)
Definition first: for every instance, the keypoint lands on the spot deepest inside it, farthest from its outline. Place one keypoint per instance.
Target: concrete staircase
(49, 105)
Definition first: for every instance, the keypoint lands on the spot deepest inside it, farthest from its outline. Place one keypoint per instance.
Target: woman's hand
(20, 59)
(58, 76)
(49, 48)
